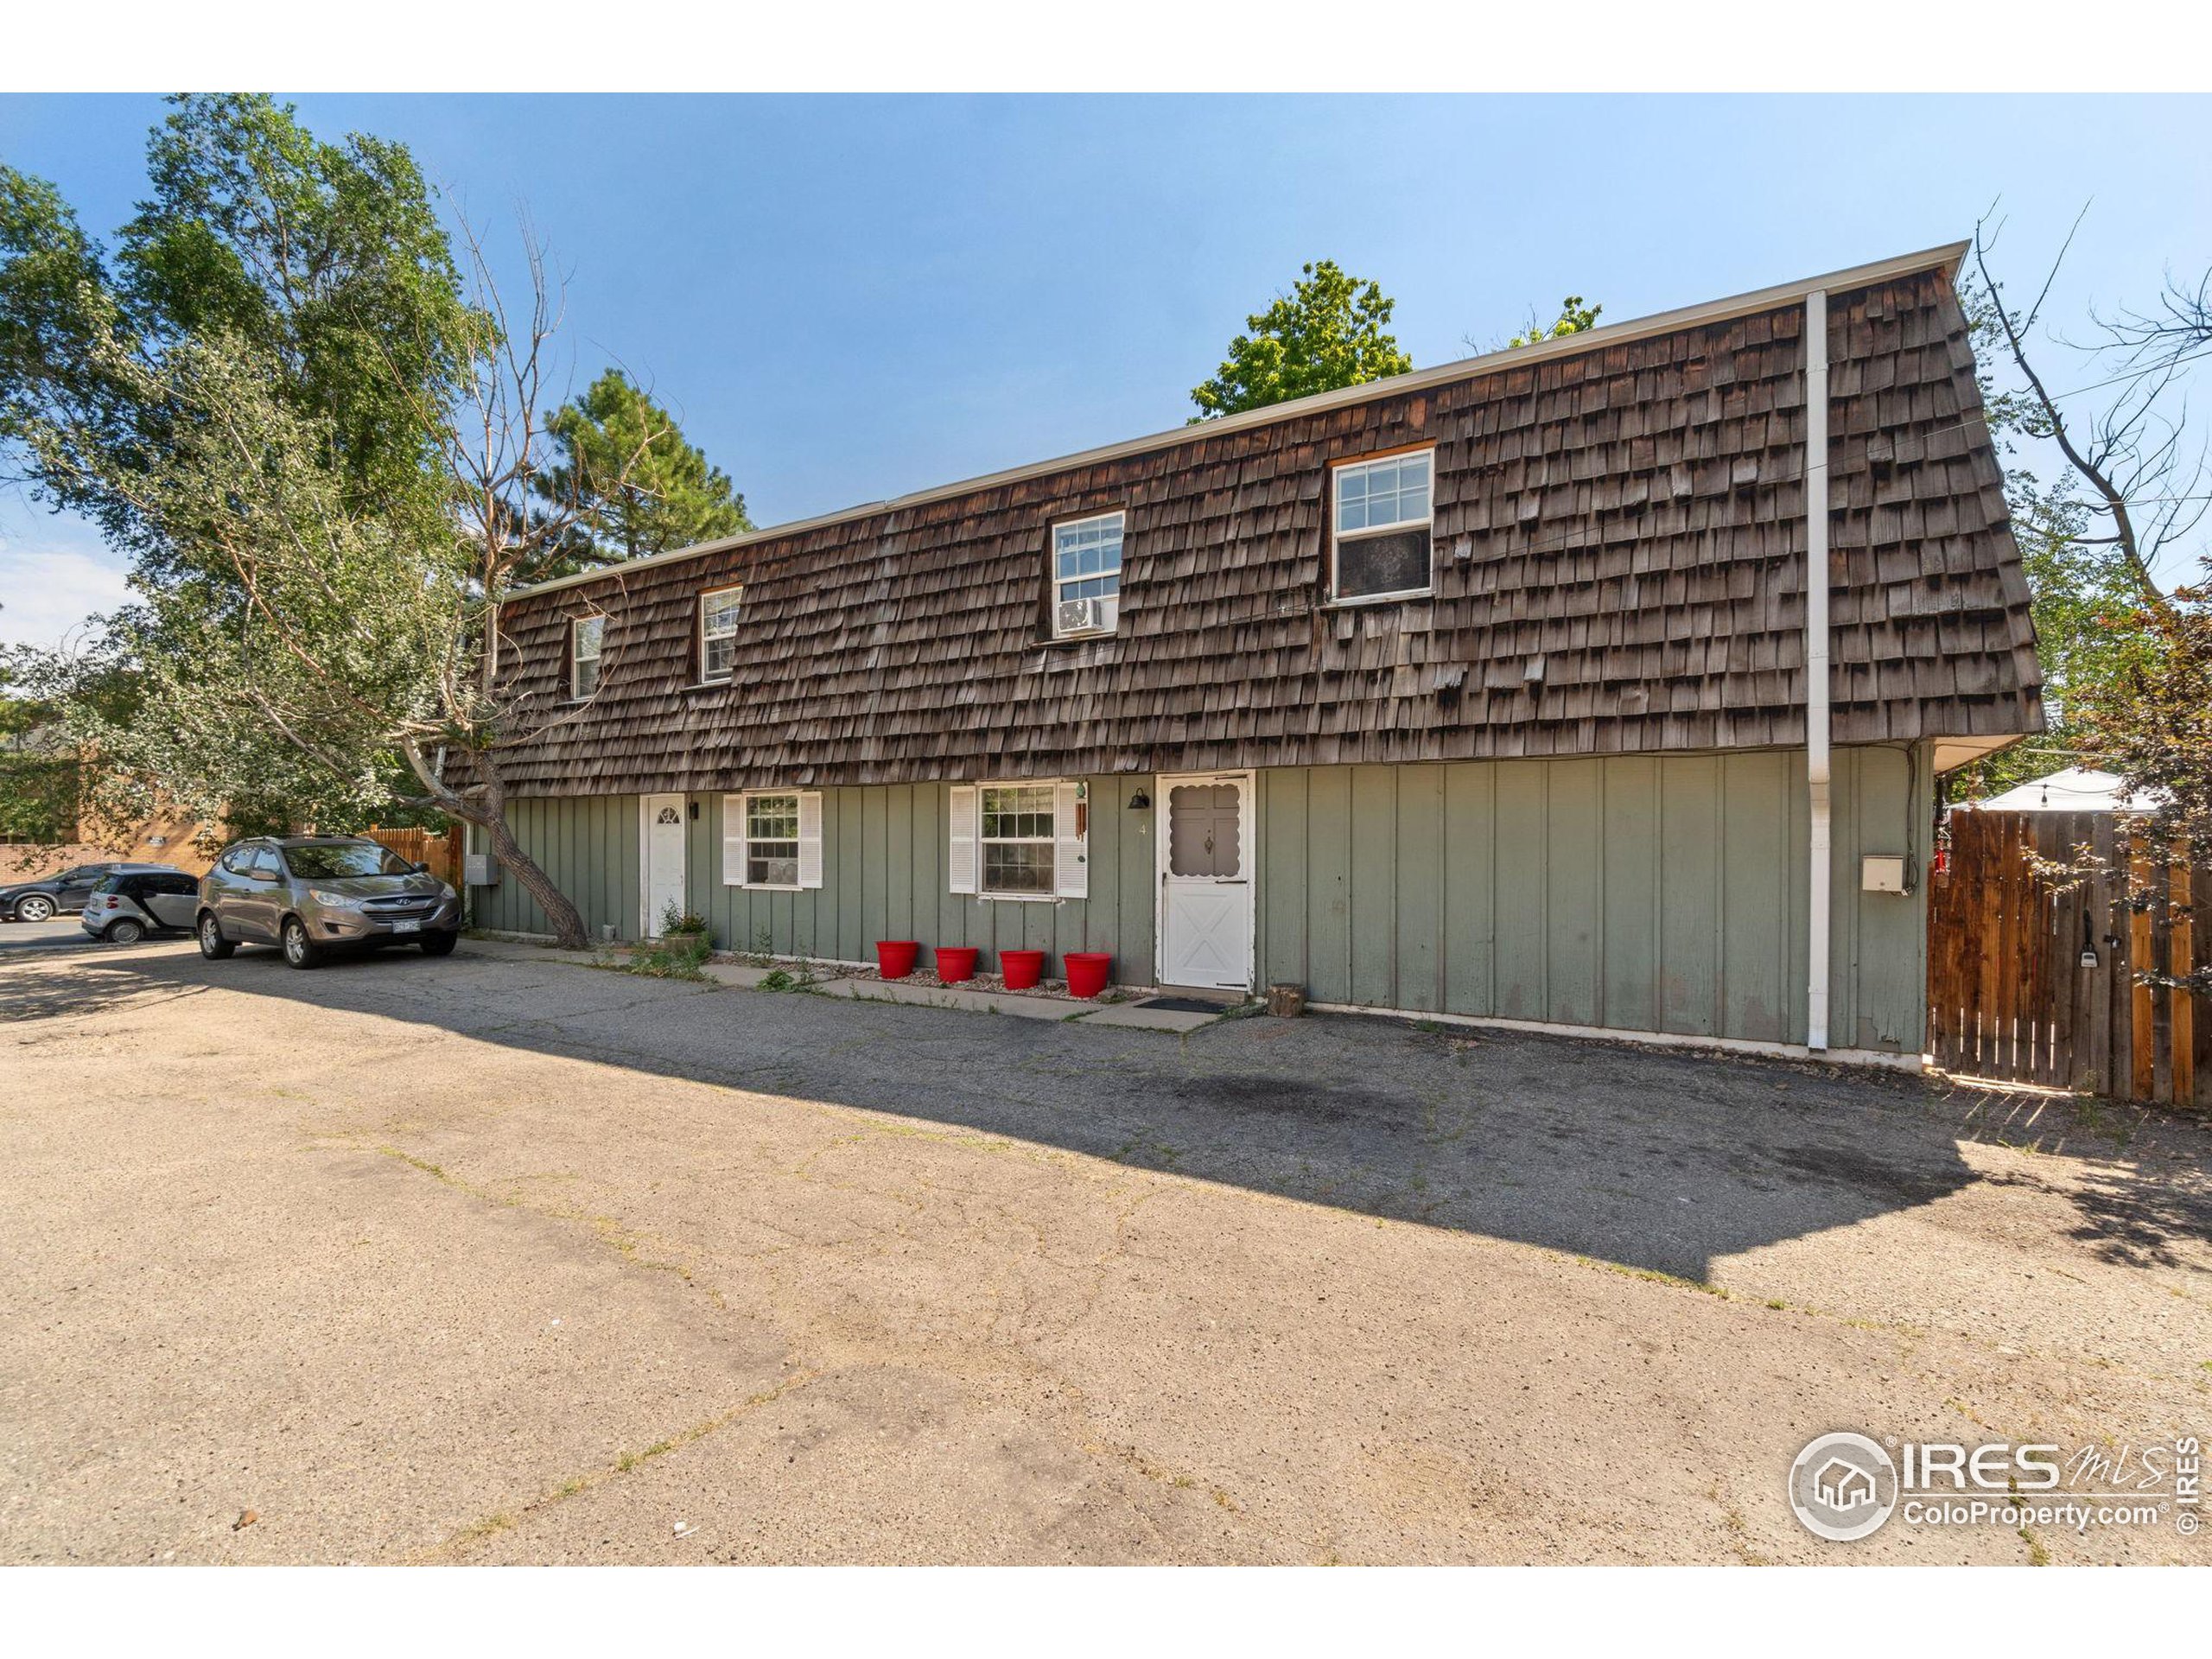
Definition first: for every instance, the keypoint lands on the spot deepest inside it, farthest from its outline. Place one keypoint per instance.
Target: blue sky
(846, 297)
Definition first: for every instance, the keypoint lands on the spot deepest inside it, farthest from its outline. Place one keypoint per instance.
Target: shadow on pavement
(1657, 1160)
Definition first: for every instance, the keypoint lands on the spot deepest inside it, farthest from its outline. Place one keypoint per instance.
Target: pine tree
(636, 486)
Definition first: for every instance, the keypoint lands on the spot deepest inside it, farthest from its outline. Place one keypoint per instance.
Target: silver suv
(310, 894)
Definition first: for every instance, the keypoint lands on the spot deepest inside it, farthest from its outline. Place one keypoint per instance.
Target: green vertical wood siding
(1636, 893)
(886, 865)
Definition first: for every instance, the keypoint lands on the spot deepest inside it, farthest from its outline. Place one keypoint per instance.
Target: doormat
(1185, 1004)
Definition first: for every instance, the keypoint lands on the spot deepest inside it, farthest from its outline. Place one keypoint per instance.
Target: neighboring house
(1481, 691)
(2070, 789)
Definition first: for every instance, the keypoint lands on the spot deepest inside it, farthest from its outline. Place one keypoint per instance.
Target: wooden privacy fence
(2033, 979)
(439, 848)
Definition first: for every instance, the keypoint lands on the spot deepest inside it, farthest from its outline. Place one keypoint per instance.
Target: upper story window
(1380, 541)
(585, 635)
(1086, 574)
(718, 633)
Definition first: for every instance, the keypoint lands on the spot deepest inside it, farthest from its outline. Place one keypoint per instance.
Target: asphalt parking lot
(56, 933)
(500, 1259)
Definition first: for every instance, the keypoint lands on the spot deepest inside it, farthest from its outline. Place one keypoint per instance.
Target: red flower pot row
(1088, 970)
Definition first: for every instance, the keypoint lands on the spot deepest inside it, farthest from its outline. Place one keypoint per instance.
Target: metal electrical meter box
(1882, 873)
(482, 869)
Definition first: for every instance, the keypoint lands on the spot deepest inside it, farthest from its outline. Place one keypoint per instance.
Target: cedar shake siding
(1619, 543)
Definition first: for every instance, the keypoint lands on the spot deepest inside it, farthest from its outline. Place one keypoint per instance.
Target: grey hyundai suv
(311, 894)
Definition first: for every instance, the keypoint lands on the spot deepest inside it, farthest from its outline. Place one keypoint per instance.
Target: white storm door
(663, 841)
(1206, 881)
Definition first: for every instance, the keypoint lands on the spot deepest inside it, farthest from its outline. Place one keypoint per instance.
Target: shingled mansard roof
(1619, 566)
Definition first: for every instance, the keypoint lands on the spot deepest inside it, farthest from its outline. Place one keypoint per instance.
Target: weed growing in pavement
(678, 957)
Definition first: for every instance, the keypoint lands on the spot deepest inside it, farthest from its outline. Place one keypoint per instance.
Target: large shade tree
(328, 260)
(324, 440)
(1331, 330)
(326, 638)
(2128, 657)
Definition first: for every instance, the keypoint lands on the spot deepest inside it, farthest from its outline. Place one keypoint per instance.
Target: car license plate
(406, 927)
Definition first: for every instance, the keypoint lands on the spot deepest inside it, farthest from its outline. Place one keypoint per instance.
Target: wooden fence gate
(439, 848)
(2034, 980)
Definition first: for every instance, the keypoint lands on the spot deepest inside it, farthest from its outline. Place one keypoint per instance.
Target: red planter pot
(956, 963)
(1087, 971)
(895, 958)
(1022, 969)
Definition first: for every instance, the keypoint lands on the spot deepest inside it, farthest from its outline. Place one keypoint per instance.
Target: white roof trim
(1664, 323)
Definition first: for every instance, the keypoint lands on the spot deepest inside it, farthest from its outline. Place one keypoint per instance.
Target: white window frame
(1071, 845)
(577, 624)
(1049, 841)
(736, 591)
(1337, 472)
(737, 845)
(1058, 583)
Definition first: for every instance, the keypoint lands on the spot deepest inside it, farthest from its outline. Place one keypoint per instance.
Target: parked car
(312, 894)
(132, 904)
(64, 894)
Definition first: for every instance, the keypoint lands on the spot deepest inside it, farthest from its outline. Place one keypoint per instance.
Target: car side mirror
(422, 868)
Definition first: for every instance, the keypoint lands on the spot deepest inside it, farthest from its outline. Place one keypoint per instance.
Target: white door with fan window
(661, 854)
(1205, 858)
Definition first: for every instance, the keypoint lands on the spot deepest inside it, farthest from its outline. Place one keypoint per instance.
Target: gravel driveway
(501, 1259)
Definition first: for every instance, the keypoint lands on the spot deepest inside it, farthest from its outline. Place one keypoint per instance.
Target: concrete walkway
(842, 982)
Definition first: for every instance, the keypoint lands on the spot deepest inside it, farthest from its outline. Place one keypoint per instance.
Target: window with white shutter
(809, 838)
(961, 838)
(772, 838)
(1071, 828)
(1017, 839)
(734, 841)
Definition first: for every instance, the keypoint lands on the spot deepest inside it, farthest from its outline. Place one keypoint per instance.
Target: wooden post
(2181, 953)
(2143, 1052)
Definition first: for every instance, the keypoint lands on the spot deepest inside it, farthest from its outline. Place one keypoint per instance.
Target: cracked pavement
(500, 1259)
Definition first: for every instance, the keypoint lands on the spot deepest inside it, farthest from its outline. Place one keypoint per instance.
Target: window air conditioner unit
(1082, 616)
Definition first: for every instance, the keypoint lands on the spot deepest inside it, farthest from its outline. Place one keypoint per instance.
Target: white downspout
(1817, 662)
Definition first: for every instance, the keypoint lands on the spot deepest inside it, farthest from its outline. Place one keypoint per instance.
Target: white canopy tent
(2071, 789)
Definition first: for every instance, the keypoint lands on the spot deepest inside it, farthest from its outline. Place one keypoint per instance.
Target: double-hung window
(1380, 540)
(1017, 838)
(718, 634)
(585, 635)
(772, 838)
(1086, 574)
(771, 841)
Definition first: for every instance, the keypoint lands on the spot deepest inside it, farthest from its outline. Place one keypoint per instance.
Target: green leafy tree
(336, 636)
(630, 480)
(323, 448)
(1575, 318)
(38, 784)
(2085, 594)
(1331, 330)
(327, 260)
(2151, 722)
